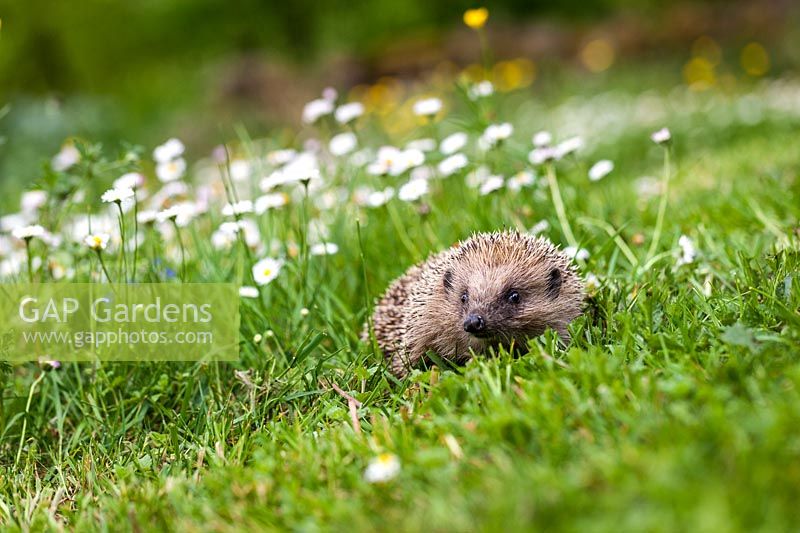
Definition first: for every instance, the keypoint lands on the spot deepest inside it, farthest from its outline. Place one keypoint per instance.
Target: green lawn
(675, 407)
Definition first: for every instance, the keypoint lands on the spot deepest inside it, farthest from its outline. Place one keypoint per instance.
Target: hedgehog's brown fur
(423, 310)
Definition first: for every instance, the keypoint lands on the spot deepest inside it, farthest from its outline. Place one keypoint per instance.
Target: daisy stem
(30, 259)
(402, 234)
(559, 205)
(230, 193)
(25, 419)
(103, 265)
(662, 208)
(304, 251)
(367, 300)
(123, 260)
(135, 236)
(183, 250)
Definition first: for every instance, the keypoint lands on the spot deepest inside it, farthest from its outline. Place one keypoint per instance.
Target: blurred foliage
(145, 70)
(101, 45)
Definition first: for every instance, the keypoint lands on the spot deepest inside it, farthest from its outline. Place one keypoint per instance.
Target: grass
(675, 407)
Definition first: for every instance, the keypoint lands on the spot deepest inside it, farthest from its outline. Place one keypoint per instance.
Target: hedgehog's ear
(448, 281)
(553, 286)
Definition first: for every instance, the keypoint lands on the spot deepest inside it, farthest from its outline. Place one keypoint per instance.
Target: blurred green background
(147, 70)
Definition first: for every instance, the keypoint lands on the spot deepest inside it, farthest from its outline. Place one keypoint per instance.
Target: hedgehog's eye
(513, 297)
(464, 297)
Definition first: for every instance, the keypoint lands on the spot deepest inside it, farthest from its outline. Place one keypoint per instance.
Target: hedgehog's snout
(475, 324)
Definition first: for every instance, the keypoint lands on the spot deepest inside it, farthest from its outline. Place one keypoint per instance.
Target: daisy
(452, 164)
(591, 283)
(382, 468)
(568, 146)
(542, 155)
(281, 157)
(248, 291)
(11, 266)
(31, 201)
(67, 157)
(224, 239)
(343, 143)
(542, 138)
(248, 228)
(573, 252)
(97, 241)
(476, 178)
(131, 180)
(391, 160)
(266, 270)
(327, 248)
(148, 216)
(427, 107)
(495, 134)
(688, 253)
(453, 143)
(600, 170)
(491, 184)
(348, 112)
(303, 168)
(662, 136)
(413, 190)
(540, 227)
(481, 89)
(238, 208)
(269, 201)
(385, 159)
(168, 191)
(519, 180)
(117, 195)
(316, 109)
(169, 171)
(182, 213)
(170, 150)
(6, 246)
(379, 198)
(423, 145)
(26, 233)
(274, 179)
(411, 158)
(240, 170)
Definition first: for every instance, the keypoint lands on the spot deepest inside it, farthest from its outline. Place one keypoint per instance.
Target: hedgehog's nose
(474, 324)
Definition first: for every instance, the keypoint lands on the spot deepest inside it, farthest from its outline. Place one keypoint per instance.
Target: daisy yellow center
(97, 241)
(476, 18)
(267, 272)
(385, 458)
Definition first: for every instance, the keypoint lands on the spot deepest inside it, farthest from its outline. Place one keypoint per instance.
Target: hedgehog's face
(503, 302)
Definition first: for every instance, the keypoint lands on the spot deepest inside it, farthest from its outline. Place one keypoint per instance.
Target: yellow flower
(476, 18)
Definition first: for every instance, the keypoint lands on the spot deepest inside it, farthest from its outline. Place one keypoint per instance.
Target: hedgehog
(494, 289)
